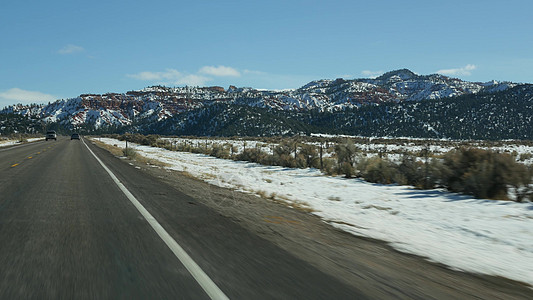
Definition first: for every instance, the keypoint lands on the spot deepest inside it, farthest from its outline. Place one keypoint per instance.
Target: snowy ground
(5, 143)
(481, 236)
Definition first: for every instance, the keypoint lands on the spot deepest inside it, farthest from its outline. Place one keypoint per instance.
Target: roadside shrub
(521, 183)
(252, 155)
(129, 152)
(283, 149)
(197, 149)
(412, 172)
(146, 140)
(346, 155)
(347, 169)
(286, 160)
(378, 170)
(268, 160)
(346, 152)
(310, 154)
(329, 166)
(483, 173)
(150, 140)
(184, 147)
(435, 176)
(301, 161)
(220, 151)
(168, 145)
(162, 144)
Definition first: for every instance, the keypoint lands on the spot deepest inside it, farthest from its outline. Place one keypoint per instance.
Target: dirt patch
(116, 151)
(369, 265)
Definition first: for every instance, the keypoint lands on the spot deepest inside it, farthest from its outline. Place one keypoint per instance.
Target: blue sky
(60, 49)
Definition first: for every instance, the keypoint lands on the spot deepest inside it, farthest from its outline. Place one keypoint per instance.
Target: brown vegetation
(480, 173)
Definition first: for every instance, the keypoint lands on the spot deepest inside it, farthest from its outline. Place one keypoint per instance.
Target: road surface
(68, 231)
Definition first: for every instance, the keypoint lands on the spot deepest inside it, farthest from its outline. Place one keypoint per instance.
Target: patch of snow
(5, 143)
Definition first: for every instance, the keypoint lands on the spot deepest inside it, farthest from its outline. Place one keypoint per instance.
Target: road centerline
(211, 289)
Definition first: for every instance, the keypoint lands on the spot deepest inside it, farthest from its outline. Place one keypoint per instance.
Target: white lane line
(212, 290)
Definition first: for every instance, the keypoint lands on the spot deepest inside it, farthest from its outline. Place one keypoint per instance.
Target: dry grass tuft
(187, 174)
(302, 206)
(150, 161)
(262, 194)
(116, 151)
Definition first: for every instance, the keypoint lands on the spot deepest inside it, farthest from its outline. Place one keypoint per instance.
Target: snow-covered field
(393, 151)
(5, 143)
(481, 236)
(239, 145)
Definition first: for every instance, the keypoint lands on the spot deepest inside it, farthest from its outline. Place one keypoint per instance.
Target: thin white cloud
(371, 74)
(464, 71)
(16, 95)
(344, 76)
(252, 72)
(220, 71)
(208, 74)
(171, 77)
(278, 82)
(70, 49)
(193, 80)
(168, 75)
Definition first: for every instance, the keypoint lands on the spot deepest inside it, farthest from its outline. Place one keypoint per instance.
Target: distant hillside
(502, 115)
(398, 103)
(231, 120)
(14, 123)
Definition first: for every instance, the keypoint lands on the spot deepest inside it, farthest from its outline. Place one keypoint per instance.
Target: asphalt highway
(69, 229)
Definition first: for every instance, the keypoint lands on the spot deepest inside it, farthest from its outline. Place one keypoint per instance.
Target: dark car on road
(51, 135)
(75, 136)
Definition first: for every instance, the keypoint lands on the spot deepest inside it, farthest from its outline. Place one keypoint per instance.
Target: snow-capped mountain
(493, 116)
(158, 103)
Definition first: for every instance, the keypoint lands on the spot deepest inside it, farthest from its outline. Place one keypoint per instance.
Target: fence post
(321, 163)
(426, 153)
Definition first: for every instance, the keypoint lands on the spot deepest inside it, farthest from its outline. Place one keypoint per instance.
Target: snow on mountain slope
(157, 103)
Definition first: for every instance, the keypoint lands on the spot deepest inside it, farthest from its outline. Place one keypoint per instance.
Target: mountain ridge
(155, 104)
